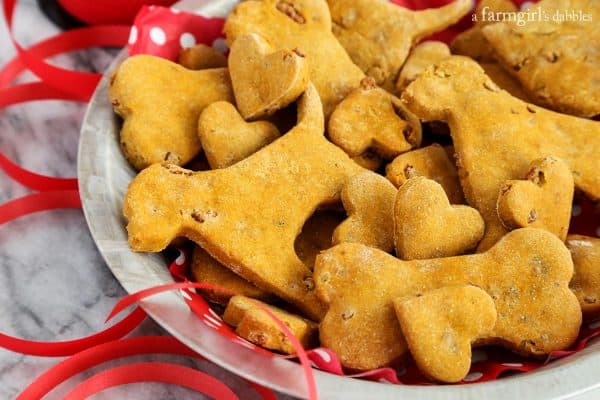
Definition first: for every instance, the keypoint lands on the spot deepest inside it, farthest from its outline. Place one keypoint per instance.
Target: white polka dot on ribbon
(187, 40)
(158, 36)
(133, 35)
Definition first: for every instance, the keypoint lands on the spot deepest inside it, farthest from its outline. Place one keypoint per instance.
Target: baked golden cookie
(526, 273)
(369, 201)
(427, 226)
(304, 25)
(490, 153)
(586, 280)
(256, 326)
(423, 55)
(265, 80)
(378, 34)
(226, 138)
(201, 56)
(543, 200)
(370, 118)
(441, 325)
(555, 59)
(160, 102)
(432, 162)
(248, 216)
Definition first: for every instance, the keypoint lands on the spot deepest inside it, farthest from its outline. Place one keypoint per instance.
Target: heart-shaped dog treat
(369, 201)
(304, 25)
(226, 138)
(265, 80)
(427, 226)
(542, 201)
(441, 325)
(370, 118)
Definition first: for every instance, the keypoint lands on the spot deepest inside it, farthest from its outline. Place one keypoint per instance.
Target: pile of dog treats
(385, 197)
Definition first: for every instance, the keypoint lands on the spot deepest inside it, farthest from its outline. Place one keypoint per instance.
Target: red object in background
(108, 11)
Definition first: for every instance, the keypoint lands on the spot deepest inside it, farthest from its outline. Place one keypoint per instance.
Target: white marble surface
(53, 283)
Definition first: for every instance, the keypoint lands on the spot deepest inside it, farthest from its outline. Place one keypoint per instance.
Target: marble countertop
(54, 284)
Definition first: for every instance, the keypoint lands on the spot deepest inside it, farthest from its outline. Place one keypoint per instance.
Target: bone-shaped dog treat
(304, 25)
(379, 34)
(420, 58)
(542, 201)
(471, 42)
(369, 201)
(247, 216)
(490, 153)
(441, 325)
(256, 326)
(432, 162)
(526, 273)
(160, 102)
(556, 60)
(370, 118)
(586, 280)
(265, 80)
(201, 56)
(427, 226)
(226, 138)
(205, 269)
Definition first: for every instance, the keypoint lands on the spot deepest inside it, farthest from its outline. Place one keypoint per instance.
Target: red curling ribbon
(300, 352)
(75, 39)
(35, 181)
(114, 350)
(153, 372)
(81, 84)
(100, 354)
(37, 202)
(67, 348)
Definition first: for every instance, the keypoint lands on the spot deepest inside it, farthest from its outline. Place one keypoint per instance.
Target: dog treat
(316, 235)
(556, 60)
(247, 216)
(427, 226)
(526, 273)
(586, 280)
(369, 201)
(160, 102)
(432, 162)
(504, 80)
(440, 327)
(472, 43)
(265, 80)
(371, 118)
(489, 152)
(314, 238)
(206, 269)
(378, 34)
(256, 326)
(422, 56)
(304, 25)
(201, 56)
(543, 200)
(226, 138)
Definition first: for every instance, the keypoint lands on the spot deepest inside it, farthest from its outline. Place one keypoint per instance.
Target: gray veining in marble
(53, 283)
